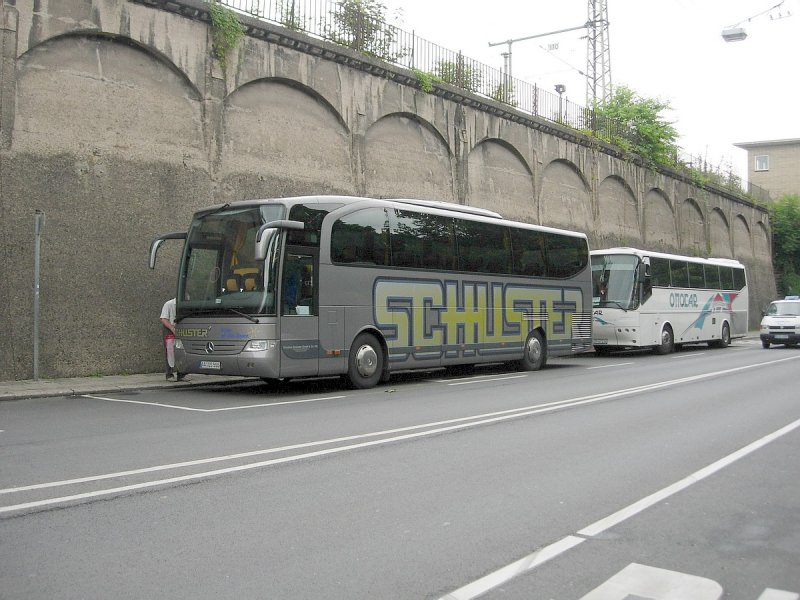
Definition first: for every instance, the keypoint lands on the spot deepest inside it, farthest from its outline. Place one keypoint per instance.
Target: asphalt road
(500, 484)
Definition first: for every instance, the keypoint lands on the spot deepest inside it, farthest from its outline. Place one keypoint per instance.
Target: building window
(762, 162)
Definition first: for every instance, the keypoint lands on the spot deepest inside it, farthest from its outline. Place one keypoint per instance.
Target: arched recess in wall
(742, 240)
(282, 138)
(761, 245)
(720, 233)
(116, 96)
(692, 232)
(114, 135)
(500, 180)
(660, 230)
(405, 156)
(564, 198)
(619, 212)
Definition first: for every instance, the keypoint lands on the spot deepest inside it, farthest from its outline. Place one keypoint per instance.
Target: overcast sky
(721, 93)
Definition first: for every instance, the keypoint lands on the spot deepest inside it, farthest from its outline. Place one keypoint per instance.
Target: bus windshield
(218, 272)
(613, 279)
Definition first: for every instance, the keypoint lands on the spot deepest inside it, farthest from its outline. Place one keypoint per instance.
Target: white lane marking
(503, 575)
(492, 380)
(430, 429)
(692, 355)
(641, 581)
(770, 594)
(509, 572)
(211, 410)
(609, 366)
(477, 377)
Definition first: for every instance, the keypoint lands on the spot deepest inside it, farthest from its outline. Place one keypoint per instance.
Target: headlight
(179, 344)
(256, 346)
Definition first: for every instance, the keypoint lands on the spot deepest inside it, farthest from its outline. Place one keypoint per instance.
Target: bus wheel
(667, 341)
(365, 363)
(764, 344)
(534, 355)
(725, 338)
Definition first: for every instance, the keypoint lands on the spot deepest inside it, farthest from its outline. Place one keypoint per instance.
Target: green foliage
(289, 15)
(786, 241)
(361, 26)
(227, 32)
(459, 74)
(504, 93)
(654, 138)
(426, 80)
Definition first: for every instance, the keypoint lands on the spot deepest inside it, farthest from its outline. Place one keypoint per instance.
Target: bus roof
(639, 252)
(460, 210)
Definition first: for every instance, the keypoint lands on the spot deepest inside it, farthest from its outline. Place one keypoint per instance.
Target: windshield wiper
(211, 313)
(197, 313)
(619, 304)
(241, 314)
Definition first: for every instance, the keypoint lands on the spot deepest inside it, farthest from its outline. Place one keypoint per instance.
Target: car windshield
(784, 309)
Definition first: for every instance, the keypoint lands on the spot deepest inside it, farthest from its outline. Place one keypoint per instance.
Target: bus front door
(299, 333)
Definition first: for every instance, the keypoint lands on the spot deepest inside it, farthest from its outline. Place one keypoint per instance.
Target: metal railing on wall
(334, 21)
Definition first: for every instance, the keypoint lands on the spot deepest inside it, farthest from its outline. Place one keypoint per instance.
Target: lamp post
(735, 33)
(560, 89)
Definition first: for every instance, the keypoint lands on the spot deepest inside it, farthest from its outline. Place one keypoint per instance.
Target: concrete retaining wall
(117, 123)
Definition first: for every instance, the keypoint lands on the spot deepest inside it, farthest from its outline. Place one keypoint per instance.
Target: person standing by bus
(168, 323)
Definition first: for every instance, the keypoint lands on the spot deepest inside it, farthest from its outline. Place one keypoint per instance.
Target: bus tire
(365, 362)
(724, 338)
(667, 344)
(764, 344)
(534, 353)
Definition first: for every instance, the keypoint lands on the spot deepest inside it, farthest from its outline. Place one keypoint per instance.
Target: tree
(459, 73)
(786, 241)
(653, 137)
(361, 26)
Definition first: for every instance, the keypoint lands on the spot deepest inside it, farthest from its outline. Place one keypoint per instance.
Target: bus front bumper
(257, 363)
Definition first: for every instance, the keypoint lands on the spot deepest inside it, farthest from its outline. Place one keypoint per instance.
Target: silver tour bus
(359, 287)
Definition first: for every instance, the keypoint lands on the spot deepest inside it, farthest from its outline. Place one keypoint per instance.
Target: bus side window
(298, 285)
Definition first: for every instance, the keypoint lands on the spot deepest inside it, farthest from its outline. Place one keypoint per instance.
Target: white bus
(651, 299)
(327, 285)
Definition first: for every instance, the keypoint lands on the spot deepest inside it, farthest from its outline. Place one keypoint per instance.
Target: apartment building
(774, 165)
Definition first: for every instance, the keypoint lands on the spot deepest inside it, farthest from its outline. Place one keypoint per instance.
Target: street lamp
(560, 89)
(734, 33)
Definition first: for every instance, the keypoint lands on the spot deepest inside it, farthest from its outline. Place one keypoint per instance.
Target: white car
(781, 322)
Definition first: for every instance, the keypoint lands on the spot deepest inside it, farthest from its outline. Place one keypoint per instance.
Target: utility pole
(598, 55)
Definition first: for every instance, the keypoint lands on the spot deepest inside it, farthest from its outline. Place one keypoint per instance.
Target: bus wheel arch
(724, 336)
(534, 352)
(667, 344)
(366, 361)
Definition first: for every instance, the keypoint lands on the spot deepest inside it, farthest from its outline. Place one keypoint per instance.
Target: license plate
(599, 342)
(210, 364)
(781, 336)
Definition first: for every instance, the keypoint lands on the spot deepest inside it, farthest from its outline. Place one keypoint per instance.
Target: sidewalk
(43, 388)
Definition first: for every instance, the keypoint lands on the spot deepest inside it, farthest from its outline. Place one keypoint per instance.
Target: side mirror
(646, 261)
(268, 230)
(156, 244)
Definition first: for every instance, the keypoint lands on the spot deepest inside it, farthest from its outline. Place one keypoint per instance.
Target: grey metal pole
(38, 225)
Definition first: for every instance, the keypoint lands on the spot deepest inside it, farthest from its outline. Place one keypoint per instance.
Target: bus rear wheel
(667, 341)
(365, 362)
(534, 354)
(724, 338)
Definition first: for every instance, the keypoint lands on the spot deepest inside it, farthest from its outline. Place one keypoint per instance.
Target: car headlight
(179, 344)
(257, 345)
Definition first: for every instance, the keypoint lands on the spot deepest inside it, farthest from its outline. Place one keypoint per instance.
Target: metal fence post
(38, 225)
